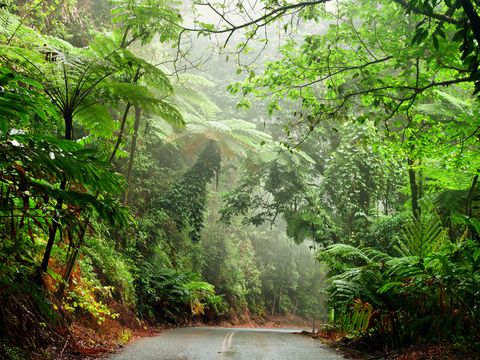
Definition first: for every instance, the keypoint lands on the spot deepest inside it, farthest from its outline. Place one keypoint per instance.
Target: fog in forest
(310, 165)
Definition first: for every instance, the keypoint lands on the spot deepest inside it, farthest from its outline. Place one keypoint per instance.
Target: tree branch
(429, 14)
(262, 20)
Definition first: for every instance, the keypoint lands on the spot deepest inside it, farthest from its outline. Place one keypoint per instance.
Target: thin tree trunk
(413, 189)
(136, 77)
(133, 149)
(469, 208)
(120, 134)
(280, 296)
(68, 118)
(385, 201)
(68, 126)
(71, 261)
(420, 180)
(51, 235)
(471, 192)
(273, 304)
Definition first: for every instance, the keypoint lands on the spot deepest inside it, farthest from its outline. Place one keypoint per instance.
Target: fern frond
(169, 113)
(451, 200)
(344, 251)
(404, 267)
(421, 237)
(376, 255)
(97, 120)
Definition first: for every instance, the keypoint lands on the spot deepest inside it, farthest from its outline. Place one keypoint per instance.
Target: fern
(421, 237)
(147, 18)
(347, 251)
(12, 31)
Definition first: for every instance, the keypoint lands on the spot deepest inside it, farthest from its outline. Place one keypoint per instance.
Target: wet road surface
(227, 344)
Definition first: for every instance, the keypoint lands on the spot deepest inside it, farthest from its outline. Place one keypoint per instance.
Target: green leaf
(389, 286)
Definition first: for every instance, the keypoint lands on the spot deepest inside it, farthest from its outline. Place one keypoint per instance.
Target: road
(227, 344)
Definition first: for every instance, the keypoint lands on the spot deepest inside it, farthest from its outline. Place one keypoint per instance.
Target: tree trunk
(473, 17)
(273, 303)
(68, 119)
(469, 208)
(280, 296)
(420, 180)
(71, 261)
(471, 192)
(136, 77)
(414, 189)
(133, 149)
(52, 232)
(120, 134)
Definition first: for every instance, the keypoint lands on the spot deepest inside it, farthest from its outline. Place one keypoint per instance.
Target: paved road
(227, 344)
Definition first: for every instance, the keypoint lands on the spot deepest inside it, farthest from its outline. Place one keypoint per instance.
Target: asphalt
(202, 343)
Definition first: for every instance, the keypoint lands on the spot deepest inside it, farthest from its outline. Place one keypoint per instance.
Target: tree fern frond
(163, 129)
(451, 200)
(347, 288)
(193, 128)
(449, 105)
(234, 147)
(219, 126)
(170, 114)
(13, 32)
(193, 81)
(97, 120)
(10, 26)
(349, 274)
(443, 179)
(195, 102)
(147, 19)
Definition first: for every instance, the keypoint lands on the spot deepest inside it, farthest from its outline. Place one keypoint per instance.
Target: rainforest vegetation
(169, 162)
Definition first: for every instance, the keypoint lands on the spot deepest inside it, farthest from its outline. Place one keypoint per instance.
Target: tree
(80, 83)
(350, 73)
(361, 177)
(32, 165)
(186, 200)
(431, 20)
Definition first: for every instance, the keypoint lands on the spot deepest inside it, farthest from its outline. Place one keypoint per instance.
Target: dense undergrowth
(424, 290)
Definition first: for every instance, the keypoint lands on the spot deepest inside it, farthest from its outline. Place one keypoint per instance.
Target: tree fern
(18, 103)
(147, 18)
(234, 137)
